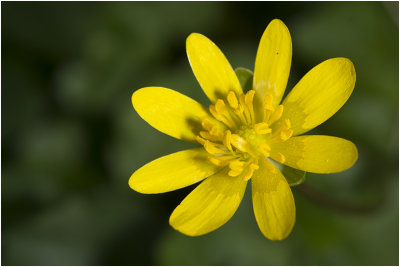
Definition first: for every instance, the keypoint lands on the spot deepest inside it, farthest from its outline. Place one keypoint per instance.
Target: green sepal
(293, 176)
(245, 77)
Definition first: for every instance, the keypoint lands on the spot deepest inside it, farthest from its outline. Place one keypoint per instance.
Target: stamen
(237, 165)
(284, 132)
(221, 118)
(267, 105)
(233, 173)
(215, 131)
(240, 143)
(249, 104)
(245, 141)
(222, 109)
(221, 160)
(209, 136)
(276, 115)
(246, 112)
(232, 100)
(207, 124)
(285, 135)
(264, 149)
(240, 113)
(217, 161)
(200, 140)
(262, 128)
(250, 171)
(227, 140)
(212, 148)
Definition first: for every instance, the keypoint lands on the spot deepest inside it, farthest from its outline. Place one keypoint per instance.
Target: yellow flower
(242, 134)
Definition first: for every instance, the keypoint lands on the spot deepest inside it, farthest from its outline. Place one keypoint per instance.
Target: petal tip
(139, 96)
(282, 233)
(173, 223)
(134, 185)
(355, 154)
(345, 64)
(135, 96)
(280, 237)
(194, 37)
(277, 22)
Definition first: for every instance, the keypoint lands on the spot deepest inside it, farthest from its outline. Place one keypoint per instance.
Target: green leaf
(245, 77)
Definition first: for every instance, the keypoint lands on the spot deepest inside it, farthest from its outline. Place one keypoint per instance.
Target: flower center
(244, 139)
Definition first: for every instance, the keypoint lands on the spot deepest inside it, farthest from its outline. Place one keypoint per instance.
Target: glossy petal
(273, 202)
(318, 153)
(319, 94)
(210, 205)
(212, 70)
(170, 112)
(172, 172)
(274, 56)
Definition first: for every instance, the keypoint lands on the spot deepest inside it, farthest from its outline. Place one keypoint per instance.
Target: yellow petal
(212, 70)
(273, 202)
(319, 94)
(317, 153)
(272, 67)
(172, 172)
(171, 112)
(210, 205)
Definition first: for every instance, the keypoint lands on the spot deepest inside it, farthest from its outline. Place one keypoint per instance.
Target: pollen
(246, 138)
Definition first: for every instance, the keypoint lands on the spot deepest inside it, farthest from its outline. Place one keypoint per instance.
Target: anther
(267, 103)
(200, 140)
(233, 173)
(285, 135)
(221, 117)
(262, 128)
(246, 111)
(249, 104)
(216, 132)
(207, 124)
(227, 140)
(217, 161)
(212, 148)
(264, 149)
(237, 165)
(250, 171)
(220, 107)
(209, 136)
(276, 115)
(284, 131)
(240, 143)
(232, 100)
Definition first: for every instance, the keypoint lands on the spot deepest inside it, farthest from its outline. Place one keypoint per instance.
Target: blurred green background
(71, 139)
